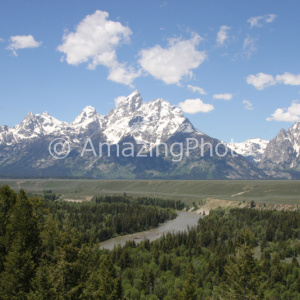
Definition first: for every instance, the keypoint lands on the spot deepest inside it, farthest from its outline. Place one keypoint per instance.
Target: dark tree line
(175, 204)
(107, 217)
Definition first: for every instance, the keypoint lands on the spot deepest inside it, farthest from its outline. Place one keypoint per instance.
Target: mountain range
(139, 140)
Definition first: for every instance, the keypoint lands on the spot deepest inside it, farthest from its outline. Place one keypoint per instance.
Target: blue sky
(232, 66)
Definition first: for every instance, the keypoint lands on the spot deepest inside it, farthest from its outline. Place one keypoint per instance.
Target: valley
(272, 192)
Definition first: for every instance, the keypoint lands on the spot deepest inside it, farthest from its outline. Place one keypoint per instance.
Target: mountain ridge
(153, 123)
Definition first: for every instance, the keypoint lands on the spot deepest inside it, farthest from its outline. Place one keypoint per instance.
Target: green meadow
(273, 192)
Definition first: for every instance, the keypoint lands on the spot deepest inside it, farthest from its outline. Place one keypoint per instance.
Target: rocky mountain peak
(28, 124)
(29, 118)
(282, 135)
(87, 115)
(131, 103)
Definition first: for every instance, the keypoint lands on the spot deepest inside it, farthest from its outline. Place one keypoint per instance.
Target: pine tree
(242, 274)
(189, 287)
(22, 245)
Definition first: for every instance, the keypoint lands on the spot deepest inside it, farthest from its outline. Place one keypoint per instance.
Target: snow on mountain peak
(131, 103)
(252, 147)
(87, 115)
(151, 122)
(89, 110)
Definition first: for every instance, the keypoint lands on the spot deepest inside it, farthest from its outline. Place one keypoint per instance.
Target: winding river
(181, 223)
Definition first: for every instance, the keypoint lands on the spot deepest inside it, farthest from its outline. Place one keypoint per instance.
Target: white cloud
(256, 21)
(196, 89)
(123, 74)
(249, 46)
(119, 99)
(222, 35)
(261, 80)
(226, 96)
(248, 105)
(94, 42)
(288, 79)
(290, 114)
(176, 61)
(1, 40)
(22, 42)
(193, 106)
(269, 18)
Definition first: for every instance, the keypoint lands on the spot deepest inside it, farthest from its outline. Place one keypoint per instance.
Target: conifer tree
(242, 274)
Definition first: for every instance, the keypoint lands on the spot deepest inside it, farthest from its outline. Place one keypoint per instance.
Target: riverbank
(206, 205)
(183, 221)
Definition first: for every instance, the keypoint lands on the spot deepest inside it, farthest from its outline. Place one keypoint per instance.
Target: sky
(233, 66)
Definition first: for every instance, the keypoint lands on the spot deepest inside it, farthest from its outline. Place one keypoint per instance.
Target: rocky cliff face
(281, 157)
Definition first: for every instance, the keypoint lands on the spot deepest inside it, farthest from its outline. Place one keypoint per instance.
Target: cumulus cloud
(123, 74)
(288, 79)
(193, 106)
(261, 80)
(248, 105)
(222, 35)
(257, 21)
(196, 89)
(249, 46)
(94, 42)
(119, 99)
(176, 61)
(290, 114)
(225, 96)
(22, 42)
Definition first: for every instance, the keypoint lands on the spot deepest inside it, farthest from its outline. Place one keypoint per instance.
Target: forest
(109, 216)
(49, 250)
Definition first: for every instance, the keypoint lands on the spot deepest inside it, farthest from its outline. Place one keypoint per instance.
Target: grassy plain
(264, 192)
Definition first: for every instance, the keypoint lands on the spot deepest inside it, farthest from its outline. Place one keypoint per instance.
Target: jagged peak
(161, 100)
(87, 115)
(29, 115)
(131, 102)
(89, 109)
(296, 125)
(44, 114)
(87, 112)
(134, 94)
(281, 132)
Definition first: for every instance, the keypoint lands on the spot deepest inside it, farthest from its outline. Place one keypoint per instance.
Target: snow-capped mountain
(281, 157)
(24, 149)
(252, 148)
(32, 126)
(151, 123)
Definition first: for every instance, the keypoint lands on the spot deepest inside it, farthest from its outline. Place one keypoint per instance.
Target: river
(181, 223)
